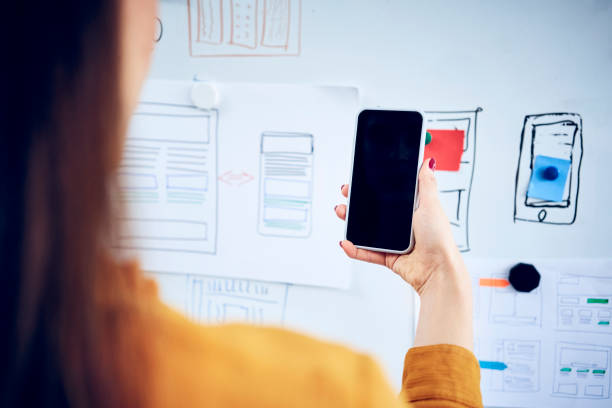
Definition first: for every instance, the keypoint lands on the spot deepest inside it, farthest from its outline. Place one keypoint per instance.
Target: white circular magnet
(204, 96)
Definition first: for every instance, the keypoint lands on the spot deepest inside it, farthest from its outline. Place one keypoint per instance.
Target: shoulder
(257, 366)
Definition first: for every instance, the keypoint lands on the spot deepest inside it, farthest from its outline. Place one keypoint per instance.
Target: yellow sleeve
(245, 366)
(441, 376)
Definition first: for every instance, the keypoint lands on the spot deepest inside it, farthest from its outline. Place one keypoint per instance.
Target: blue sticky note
(540, 186)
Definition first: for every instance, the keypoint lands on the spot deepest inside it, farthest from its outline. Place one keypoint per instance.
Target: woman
(84, 328)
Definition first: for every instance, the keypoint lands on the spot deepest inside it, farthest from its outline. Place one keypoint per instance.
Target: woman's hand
(435, 268)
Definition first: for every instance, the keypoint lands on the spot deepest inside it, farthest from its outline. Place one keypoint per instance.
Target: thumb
(428, 186)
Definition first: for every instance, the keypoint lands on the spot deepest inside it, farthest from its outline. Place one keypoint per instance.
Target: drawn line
(188, 170)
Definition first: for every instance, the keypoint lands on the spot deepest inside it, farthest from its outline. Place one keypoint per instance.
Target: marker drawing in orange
(494, 282)
(244, 28)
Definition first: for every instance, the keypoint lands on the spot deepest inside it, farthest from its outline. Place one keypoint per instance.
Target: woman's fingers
(340, 210)
(362, 254)
(428, 188)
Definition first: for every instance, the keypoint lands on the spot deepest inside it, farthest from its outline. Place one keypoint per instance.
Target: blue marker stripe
(492, 365)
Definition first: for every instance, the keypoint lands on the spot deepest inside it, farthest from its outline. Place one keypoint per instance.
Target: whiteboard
(515, 60)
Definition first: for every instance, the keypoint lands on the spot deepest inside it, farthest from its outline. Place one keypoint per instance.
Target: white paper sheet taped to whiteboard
(548, 347)
(243, 190)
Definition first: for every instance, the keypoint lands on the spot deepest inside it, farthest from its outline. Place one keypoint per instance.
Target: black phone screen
(384, 178)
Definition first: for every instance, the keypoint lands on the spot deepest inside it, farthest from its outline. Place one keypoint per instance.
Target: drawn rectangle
(568, 389)
(276, 23)
(555, 140)
(287, 143)
(284, 188)
(574, 356)
(210, 21)
(243, 23)
(192, 182)
(288, 214)
(132, 181)
(243, 28)
(522, 358)
(594, 391)
(193, 128)
(223, 300)
(554, 135)
(175, 230)
(456, 186)
(285, 191)
(235, 313)
(509, 307)
(584, 303)
(582, 371)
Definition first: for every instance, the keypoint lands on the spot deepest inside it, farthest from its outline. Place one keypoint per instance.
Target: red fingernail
(432, 163)
(340, 244)
(335, 207)
(342, 187)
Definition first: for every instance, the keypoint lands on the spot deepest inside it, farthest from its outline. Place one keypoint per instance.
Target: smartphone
(383, 189)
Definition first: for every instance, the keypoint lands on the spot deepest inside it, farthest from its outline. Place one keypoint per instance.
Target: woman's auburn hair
(61, 130)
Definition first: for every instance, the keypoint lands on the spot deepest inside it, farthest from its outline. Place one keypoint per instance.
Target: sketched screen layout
(242, 28)
(285, 189)
(168, 180)
(557, 135)
(455, 186)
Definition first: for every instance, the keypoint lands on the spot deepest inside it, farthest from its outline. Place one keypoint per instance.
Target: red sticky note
(446, 147)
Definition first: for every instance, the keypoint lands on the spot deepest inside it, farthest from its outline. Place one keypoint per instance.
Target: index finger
(362, 254)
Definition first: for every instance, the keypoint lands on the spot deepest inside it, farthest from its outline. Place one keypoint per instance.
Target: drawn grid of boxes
(219, 28)
(168, 179)
(226, 300)
(584, 303)
(455, 185)
(286, 184)
(582, 371)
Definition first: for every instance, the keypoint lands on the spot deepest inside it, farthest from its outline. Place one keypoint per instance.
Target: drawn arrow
(235, 179)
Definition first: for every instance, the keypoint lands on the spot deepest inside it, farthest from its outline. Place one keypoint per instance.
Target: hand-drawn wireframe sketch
(551, 135)
(522, 358)
(510, 307)
(285, 186)
(455, 187)
(225, 300)
(584, 303)
(582, 371)
(241, 28)
(168, 179)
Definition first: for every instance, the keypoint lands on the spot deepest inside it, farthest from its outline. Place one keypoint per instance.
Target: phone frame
(416, 184)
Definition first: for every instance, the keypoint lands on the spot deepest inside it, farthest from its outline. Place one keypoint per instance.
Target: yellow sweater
(244, 366)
